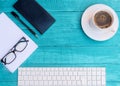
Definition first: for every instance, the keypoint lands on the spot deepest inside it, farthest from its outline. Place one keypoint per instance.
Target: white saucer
(93, 33)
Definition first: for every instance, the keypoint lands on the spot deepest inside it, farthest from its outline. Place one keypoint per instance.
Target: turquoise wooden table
(65, 43)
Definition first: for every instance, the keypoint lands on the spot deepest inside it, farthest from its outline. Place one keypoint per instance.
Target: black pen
(17, 17)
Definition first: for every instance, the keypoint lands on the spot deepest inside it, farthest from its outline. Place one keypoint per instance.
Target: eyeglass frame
(13, 50)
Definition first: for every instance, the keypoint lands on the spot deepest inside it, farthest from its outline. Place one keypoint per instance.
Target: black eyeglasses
(18, 47)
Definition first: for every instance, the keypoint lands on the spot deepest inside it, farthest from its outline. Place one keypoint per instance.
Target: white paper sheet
(10, 34)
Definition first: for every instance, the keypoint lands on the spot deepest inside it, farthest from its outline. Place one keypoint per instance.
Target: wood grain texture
(65, 44)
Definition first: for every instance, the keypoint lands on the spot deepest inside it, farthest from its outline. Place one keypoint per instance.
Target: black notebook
(35, 14)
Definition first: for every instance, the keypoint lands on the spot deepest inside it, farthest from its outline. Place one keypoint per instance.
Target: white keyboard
(62, 76)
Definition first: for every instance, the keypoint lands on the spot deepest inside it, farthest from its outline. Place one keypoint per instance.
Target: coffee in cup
(103, 19)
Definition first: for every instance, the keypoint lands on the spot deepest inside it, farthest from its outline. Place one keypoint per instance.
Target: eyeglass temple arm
(3, 61)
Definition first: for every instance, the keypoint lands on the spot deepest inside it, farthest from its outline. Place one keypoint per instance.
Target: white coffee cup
(102, 20)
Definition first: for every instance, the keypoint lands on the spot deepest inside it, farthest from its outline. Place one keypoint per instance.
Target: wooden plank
(76, 55)
(5, 75)
(63, 5)
(113, 84)
(5, 83)
(76, 5)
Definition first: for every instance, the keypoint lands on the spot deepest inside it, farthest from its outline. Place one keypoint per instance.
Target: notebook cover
(35, 14)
